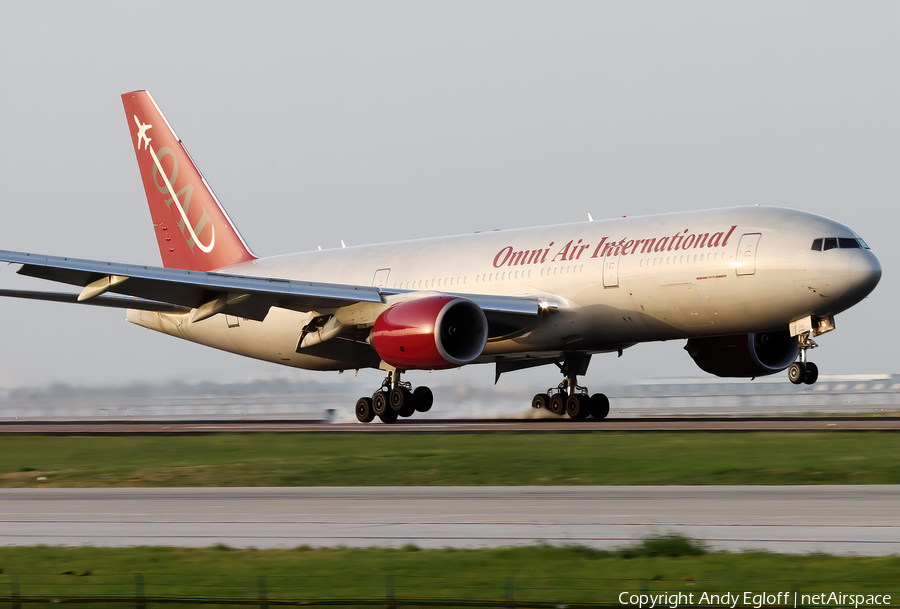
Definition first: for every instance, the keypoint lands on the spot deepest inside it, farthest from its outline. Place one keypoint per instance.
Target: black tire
(812, 373)
(364, 412)
(577, 407)
(541, 400)
(599, 406)
(380, 403)
(557, 404)
(409, 404)
(397, 399)
(388, 416)
(423, 399)
(797, 372)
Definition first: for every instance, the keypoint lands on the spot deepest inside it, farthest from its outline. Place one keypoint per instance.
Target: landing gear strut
(394, 399)
(570, 398)
(803, 371)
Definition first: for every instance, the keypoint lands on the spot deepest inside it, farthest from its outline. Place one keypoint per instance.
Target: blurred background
(278, 399)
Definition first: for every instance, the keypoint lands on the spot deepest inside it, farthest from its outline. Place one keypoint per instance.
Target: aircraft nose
(865, 273)
(836, 279)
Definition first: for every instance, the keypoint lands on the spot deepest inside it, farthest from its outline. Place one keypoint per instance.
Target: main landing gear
(394, 399)
(803, 371)
(569, 398)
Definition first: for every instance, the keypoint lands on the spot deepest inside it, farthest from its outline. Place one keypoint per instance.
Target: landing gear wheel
(364, 412)
(398, 397)
(423, 399)
(577, 407)
(599, 406)
(380, 403)
(541, 400)
(797, 372)
(409, 406)
(388, 416)
(557, 404)
(812, 373)
(394, 399)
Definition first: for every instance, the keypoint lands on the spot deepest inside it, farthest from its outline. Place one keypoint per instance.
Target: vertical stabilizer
(193, 230)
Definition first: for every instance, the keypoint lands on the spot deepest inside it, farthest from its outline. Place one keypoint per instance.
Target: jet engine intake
(430, 333)
(744, 355)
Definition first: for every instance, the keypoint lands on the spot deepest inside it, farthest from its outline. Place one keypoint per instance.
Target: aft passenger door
(745, 261)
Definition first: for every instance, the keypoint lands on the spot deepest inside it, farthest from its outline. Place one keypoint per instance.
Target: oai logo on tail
(185, 223)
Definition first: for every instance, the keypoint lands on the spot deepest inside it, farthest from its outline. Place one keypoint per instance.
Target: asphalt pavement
(796, 519)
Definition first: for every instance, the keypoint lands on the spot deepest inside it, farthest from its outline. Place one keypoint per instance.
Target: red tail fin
(193, 230)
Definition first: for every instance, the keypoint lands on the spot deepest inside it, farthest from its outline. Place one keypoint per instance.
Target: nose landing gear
(394, 399)
(803, 371)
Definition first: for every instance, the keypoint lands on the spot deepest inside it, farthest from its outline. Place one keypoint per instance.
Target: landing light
(545, 306)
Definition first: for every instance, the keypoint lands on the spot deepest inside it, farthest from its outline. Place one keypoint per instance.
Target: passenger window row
(830, 243)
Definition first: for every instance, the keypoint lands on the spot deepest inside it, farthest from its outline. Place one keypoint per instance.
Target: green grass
(538, 573)
(452, 459)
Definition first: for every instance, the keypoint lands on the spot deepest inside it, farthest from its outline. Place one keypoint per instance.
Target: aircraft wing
(175, 290)
(249, 297)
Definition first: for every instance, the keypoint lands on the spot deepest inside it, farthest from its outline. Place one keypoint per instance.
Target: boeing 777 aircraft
(748, 288)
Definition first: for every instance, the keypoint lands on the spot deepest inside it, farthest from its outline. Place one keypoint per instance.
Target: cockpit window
(830, 243)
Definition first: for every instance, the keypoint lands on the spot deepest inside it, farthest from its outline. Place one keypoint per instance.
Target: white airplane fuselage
(611, 283)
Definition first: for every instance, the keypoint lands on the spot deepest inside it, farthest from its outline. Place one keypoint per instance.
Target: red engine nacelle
(744, 355)
(430, 333)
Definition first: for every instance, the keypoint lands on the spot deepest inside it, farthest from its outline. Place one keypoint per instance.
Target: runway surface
(180, 426)
(835, 519)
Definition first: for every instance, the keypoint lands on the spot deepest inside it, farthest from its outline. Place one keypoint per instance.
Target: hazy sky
(380, 121)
